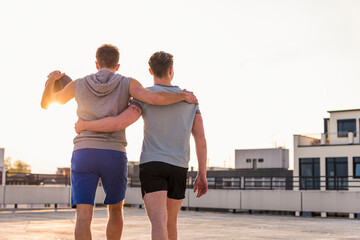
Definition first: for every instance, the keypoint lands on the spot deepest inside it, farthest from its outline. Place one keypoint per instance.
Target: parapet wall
(267, 200)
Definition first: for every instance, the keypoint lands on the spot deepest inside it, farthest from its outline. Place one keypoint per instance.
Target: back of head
(107, 56)
(160, 62)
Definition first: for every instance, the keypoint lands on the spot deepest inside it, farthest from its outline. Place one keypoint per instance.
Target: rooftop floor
(50, 224)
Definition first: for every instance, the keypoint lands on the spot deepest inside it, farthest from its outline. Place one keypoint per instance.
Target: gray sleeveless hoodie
(100, 95)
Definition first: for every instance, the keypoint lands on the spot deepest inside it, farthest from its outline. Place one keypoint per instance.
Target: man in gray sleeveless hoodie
(166, 149)
(102, 155)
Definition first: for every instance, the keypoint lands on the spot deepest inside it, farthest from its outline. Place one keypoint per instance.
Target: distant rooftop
(261, 148)
(345, 110)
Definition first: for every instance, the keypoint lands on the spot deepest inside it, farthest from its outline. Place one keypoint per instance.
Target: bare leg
(173, 209)
(155, 204)
(84, 213)
(115, 222)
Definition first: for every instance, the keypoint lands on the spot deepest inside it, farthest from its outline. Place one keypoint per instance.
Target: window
(356, 167)
(345, 126)
(337, 173)
(309, 173)
(326, 126)
(248, 160)
(261, 160)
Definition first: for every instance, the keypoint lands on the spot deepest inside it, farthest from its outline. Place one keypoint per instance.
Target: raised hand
(55, 75)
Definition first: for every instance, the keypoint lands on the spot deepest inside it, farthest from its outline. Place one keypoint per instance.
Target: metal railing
(13, 178)
(282, 183)
(219, 182)
(247, 183)
(329, 183)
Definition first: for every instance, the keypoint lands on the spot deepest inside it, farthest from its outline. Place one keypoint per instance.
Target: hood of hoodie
(103, 82)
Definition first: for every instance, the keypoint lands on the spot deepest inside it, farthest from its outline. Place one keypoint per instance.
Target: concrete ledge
(267, 200)
(216, 198)
(36, 195)
(2, 190)
(331, 201)
(133, 196)
(272, 200)
(99, 196)
(186, 199)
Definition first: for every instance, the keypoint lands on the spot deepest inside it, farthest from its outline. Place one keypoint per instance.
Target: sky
(263, 70)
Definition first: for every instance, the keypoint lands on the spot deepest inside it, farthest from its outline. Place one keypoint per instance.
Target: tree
(7, 163)
(18, 166)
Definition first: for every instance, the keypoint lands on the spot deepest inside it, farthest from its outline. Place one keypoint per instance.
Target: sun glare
(54, 106)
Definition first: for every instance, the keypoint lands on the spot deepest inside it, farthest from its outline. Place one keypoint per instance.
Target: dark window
(248, 160)
(345, 126)
(326, 126)
(356, 167)
(337, 173)
(309, 173)
(261, 160)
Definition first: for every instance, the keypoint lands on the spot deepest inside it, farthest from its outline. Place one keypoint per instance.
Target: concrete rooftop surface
(59, 225)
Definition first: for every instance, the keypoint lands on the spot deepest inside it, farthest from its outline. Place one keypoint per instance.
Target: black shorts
(160, 176)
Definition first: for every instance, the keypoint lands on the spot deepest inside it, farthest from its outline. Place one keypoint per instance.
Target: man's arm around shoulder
(110, 124)
(142, 94)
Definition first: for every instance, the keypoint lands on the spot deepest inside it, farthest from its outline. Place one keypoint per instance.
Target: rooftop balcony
(327, 139)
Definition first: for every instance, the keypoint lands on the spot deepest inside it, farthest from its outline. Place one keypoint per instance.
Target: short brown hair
(107, 56)
(160, 62)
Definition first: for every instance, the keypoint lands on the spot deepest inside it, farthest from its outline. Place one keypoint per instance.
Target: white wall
(334, 116)
(100, 195)
(36, 195)
(331, 201)
(2, 191)
(273, 158)
(133, 196)
(2, 152)
(275, 200)
(225, 199)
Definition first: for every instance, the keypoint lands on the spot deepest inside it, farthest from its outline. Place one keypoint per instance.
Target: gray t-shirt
(167, 130)
(101, 95)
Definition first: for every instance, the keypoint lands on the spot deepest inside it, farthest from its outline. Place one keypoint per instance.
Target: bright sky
(262, 70)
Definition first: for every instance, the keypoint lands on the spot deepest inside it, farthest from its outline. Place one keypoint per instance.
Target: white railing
(331, 138)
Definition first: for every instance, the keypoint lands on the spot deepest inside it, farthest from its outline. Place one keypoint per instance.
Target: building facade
(255, 169)
(330, 161)
(268, 158)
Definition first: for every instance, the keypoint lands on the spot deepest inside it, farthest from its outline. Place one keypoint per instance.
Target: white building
(265, 168)
(330, 161)
(262, 158)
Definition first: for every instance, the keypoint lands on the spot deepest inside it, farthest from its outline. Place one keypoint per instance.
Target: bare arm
(110, 124)
(62, 96)
(198, 133)
(159, 98)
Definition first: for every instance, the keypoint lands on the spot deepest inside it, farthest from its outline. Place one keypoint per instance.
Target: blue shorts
(88, 166)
